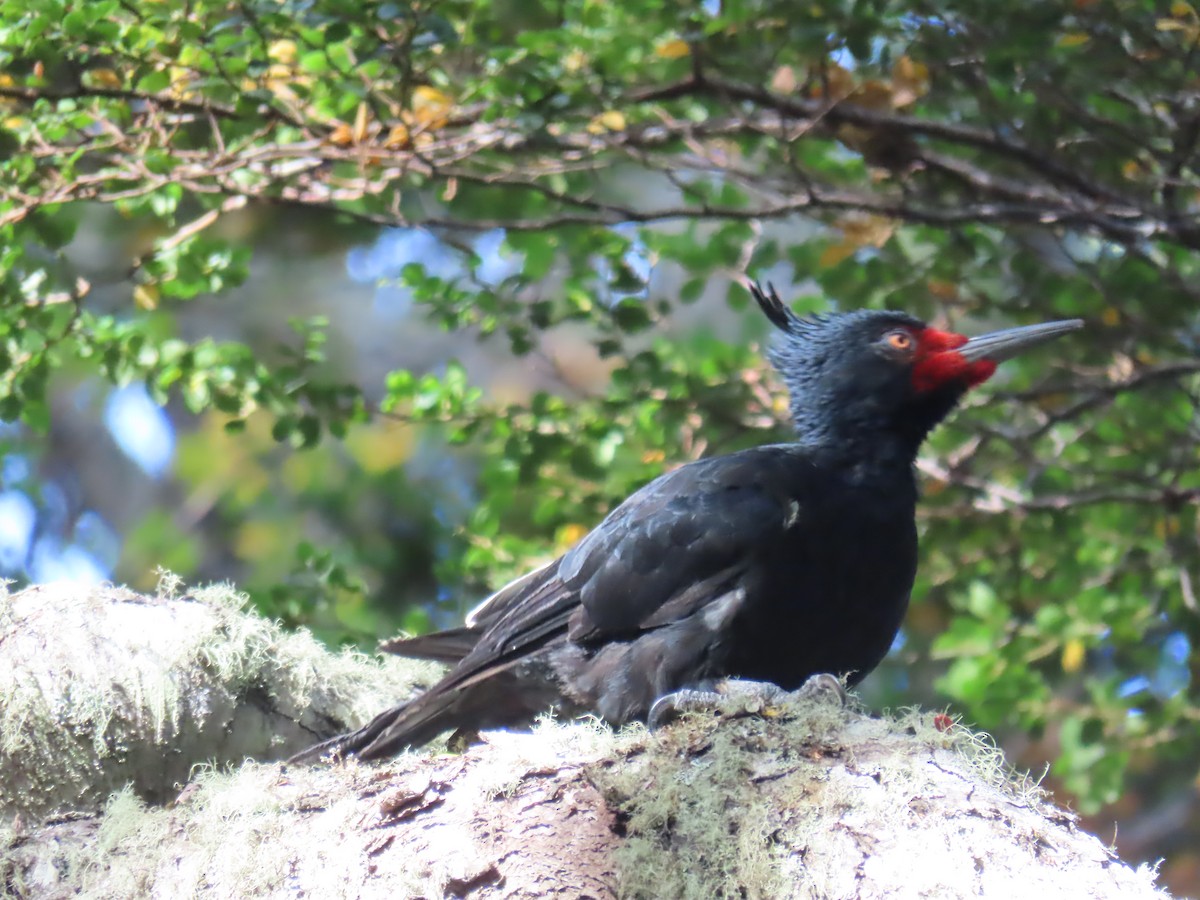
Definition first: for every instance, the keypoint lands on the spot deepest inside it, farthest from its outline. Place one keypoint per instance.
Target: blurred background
(369, 310)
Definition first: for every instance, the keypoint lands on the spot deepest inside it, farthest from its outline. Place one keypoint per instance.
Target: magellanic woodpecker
(772, 564)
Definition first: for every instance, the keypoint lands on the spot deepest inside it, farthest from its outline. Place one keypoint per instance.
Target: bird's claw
(749, 697)
(825, 688)
(752, 697)
(669, 707)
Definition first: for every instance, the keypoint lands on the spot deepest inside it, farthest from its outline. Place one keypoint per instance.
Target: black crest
(768, 301)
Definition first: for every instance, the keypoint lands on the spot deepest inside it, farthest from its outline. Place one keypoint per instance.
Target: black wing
(671, 549)
(674, 546)
(659, 556)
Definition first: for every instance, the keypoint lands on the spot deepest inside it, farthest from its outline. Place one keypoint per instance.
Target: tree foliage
(970, 165)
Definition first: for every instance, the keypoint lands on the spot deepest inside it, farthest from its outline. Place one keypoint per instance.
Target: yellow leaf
(1190, 29)
(146, 296)
(569, 535)
(8, 103)
(361, 121)
(346, 134)
(431, 108)
(1182, 10)
(278, 75)
(1121, 368)
(103, 78)
(653, 456)
(612, 120)
(342, 135)
(910, 81)
(282, 51)
(1165, 528)
(675, 48)
(857, 231)
(397, 138)
(281, 74)
(834, 83)
(1073, 654)
(1052, 402)
(1073, 39)
(931, 487)
(425, 95)
(943, 290)
(835, 253)
(574, 61)
(379, 449)
(784, 80)
(866, 230)
(181, 78)
(873, 94)
(1111, 316)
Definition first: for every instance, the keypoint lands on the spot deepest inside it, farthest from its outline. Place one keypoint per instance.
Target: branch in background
(503, 154)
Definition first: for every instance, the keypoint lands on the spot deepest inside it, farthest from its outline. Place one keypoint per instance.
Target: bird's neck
(864, 423)
(865, 457)
(864, 467)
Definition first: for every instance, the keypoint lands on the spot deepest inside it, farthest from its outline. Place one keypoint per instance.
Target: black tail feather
(408, 725)
(448, 646)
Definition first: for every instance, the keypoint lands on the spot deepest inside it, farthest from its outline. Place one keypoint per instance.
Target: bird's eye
(899, 340)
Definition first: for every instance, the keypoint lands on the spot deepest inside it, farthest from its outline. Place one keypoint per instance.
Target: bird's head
(871, 374)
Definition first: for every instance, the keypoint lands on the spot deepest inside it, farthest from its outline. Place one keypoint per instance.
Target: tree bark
(100, 688)
(802, 799)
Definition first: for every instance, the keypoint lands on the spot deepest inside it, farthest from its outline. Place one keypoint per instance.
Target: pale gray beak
(998, 346)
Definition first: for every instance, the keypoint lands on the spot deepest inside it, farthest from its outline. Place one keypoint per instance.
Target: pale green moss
(692, 828)
(103, 686)
(795, 802)
(807, 801)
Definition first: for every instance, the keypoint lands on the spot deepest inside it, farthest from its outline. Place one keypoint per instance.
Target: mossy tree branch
(806, 799)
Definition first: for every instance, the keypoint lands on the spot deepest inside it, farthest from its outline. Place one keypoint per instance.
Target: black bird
(772, 564)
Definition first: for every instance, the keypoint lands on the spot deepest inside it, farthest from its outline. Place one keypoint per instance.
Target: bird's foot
(730, 695)
(752, 696)
(825, 688)
(461, 739)
(669, 707)
(743, 697)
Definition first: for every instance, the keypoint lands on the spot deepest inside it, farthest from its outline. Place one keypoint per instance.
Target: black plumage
(772, 564)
